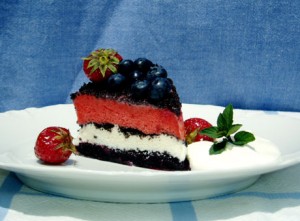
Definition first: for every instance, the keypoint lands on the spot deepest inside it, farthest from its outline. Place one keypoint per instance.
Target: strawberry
(101, 64)
(192, 128)
(54, 145)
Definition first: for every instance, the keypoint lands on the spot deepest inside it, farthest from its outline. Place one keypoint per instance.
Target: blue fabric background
(218, 52)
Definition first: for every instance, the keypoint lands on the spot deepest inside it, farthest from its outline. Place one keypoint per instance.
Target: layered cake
(129, 113)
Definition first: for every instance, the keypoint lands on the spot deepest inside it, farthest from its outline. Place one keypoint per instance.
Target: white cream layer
(114, 138)
(259, 152)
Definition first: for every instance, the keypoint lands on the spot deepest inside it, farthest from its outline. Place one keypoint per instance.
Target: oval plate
(90, 179)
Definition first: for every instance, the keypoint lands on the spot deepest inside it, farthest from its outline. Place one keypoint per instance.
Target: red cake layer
(146, 118)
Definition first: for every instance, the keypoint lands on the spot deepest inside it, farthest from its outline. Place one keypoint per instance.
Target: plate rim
(30, 171)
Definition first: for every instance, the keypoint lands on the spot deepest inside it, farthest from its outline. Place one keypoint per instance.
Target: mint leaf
(221, 122)
(218, 147)
(225, 119)
(228, 115)
(234, 128)
(225, 128)
(213, 132)
(243, 137)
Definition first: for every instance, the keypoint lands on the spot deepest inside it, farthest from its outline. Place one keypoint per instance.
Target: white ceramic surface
(91, 179)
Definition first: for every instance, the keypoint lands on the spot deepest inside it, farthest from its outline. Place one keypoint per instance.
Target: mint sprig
(225, 130)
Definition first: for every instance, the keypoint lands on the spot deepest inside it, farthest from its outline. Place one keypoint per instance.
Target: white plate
(103, 181)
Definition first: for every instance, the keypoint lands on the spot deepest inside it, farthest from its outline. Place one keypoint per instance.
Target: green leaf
(225, 128)
(212, 132)
(95, 53)
(228, 116)
(221, 122)
(103, 69)
(243, 137)
(112, 68)
(114, 60)
(234, 128)
(218, 148)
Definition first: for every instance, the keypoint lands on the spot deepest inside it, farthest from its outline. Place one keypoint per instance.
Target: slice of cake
(129, 113)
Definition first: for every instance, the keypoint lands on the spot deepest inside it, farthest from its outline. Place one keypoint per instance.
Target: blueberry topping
(150, 76)
(142, 79)
(159, 71)
(136, 75)
(126, 67)
(139, 89)
(143, 64)
(160, 87)
(156, 71)
(116, 81)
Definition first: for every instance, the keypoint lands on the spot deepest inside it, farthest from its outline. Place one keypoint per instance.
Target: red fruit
(101, 64)
(54, 145)
(192, 128)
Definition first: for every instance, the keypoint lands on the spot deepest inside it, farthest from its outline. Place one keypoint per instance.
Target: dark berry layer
(152, 160)
(100, 90)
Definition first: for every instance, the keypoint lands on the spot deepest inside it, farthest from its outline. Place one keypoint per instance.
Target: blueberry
(156, 71)
(150, 76)
(160, 87)
(170, 81)
(116, 81)
(126, 67)
(139, 89)
(136, 75)
(143, 64)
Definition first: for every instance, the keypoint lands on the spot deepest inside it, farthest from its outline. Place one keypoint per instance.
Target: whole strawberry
(54, 145)
(101, 64)
(192, 128)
